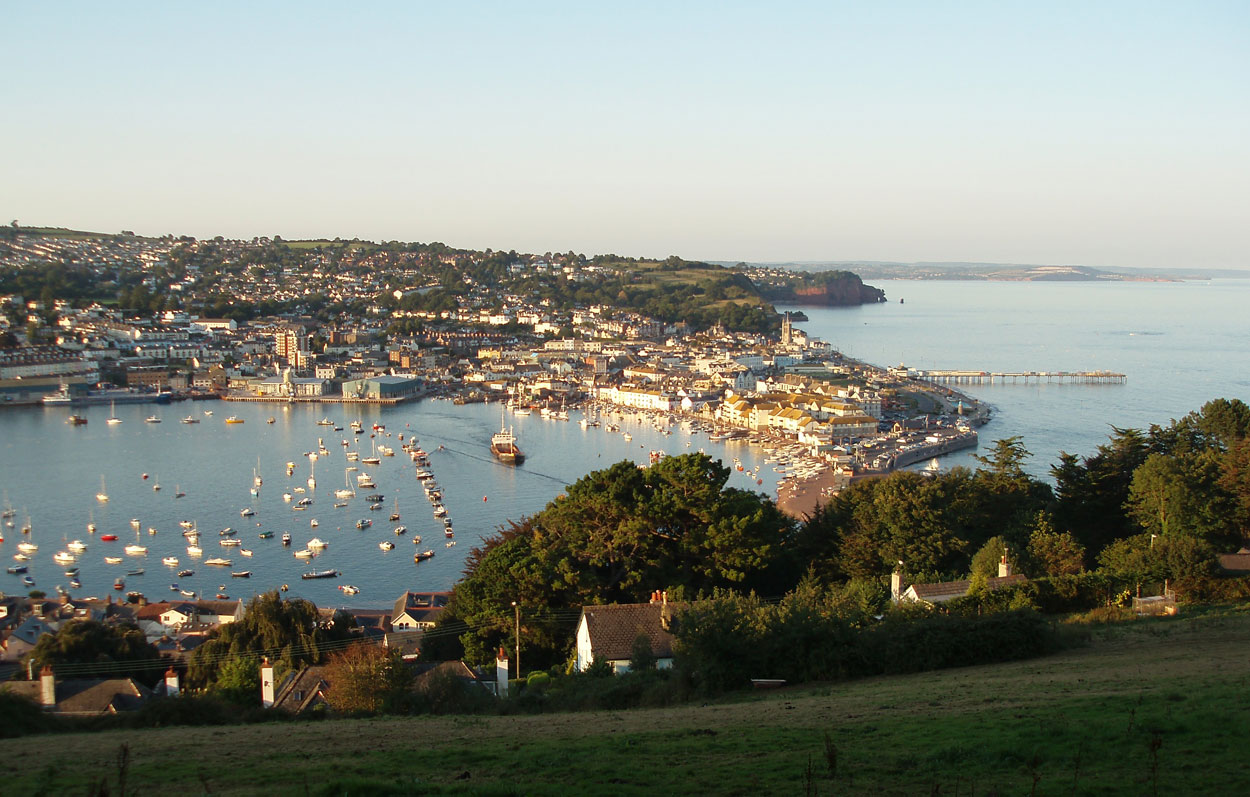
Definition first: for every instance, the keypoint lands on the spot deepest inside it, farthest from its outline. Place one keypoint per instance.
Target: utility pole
(517, 610)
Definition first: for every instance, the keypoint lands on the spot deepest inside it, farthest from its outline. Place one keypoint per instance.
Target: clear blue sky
(1102, 133)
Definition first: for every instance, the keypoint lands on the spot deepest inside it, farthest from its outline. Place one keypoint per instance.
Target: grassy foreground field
(1152, 707)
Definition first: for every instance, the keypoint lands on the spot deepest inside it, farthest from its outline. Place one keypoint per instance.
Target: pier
(1015, 377)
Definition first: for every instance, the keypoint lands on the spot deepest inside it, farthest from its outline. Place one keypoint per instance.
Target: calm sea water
(51, 471)
(1180, 343)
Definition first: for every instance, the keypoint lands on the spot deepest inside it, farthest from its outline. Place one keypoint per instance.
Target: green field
(1149, 707)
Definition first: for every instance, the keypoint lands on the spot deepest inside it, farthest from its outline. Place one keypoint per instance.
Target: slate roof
(946, 590)
(1236, 562)
(88, 696)
(301, 691)
(613, 629)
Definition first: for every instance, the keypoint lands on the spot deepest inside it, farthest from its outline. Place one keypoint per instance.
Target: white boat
(401, 529)
(230, 543)
(314, 523)
(247, 511)
(346, 492)
(245, 551)
(62, 557)
(135, 524)
(113, 420)
(103, 495)
(27, 547)
(190, 419)
(304, 554)
(186, 524)
(287, 497)
(135, 550)
(386, 545)
(152, 419)
(348, 589)
(112, 560)
(317, 542)
(77, 546)
(217, 562)
(194, 550)
(172, 561)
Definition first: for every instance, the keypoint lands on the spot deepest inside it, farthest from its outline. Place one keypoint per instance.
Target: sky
(1110, 134)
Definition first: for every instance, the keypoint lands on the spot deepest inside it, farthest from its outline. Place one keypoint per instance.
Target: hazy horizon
(1111, 136)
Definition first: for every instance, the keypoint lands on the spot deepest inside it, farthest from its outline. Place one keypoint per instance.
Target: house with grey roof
(608, 633)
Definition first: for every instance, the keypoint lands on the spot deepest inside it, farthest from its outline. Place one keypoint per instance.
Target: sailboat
(103, 495)
(346, 492)
(312, 473)
(113, 420)
(156, 484)
(395, 514)
(256, 479)
(91, 521)
(373, 458)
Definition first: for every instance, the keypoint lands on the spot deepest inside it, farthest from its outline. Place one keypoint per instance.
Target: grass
(1146, 707)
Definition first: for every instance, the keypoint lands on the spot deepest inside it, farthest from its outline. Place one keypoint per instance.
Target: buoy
(145, 476)
(483, 499)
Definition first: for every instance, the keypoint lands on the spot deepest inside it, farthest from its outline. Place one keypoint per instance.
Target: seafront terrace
(1014, 377)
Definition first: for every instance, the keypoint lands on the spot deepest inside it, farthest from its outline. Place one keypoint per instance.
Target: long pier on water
(1015, 377)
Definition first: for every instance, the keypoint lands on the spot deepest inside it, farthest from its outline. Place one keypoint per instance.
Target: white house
(608, 633)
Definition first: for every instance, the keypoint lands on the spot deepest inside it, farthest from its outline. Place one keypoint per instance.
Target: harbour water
(51, 471)
(1181, 344)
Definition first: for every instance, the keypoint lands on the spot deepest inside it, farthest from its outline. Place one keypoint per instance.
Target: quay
(381, 402)
(1014, 377)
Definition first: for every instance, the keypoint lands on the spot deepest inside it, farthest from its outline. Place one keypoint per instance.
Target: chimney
(1004, 567)
(171, 683)
(266, 683)
(47, 691)
(896, 583)
(664, 598)
(501, 673)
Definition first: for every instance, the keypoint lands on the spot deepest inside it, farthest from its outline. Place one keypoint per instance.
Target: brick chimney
(171, 683)
(47, 690)
(896, 583)
(266, 683)
(1004, 567)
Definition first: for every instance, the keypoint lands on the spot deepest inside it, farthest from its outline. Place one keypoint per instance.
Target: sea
(1179, 343)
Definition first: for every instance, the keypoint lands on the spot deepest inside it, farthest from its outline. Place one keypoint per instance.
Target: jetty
(1016, 377)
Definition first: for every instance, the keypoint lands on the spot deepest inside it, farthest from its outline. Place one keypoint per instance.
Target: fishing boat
(119, 584)
(386, 545)
(325, 422)
(422, 556)
(348, 589)
(503, 446)
(364, 523)
(365, 480)
(190, 419)
(286, 538)
(247, 511)
(264, 535)
(228, 531)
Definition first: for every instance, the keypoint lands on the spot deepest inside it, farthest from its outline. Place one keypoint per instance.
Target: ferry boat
(503, 446)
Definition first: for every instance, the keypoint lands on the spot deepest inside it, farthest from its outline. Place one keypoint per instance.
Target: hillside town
(354, 324)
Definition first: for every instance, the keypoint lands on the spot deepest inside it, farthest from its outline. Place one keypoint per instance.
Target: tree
(290, 633)
(365, 679)
(641, 657)
(1182, 494)
(92, 647)
(1054, 553)
(985, 561)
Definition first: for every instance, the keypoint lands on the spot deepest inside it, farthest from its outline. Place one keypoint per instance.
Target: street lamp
(516, 607)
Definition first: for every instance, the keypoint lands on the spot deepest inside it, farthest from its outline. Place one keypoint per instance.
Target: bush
(23, 716)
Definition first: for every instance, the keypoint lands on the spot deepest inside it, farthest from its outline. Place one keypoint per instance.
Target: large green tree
(90, 648)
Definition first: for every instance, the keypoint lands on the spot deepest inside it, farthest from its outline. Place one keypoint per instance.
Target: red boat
(108, 538)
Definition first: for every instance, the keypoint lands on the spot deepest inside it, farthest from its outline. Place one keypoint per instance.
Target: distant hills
(934, 270)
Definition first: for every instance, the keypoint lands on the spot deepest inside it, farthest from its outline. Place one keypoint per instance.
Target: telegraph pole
(517, 610)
